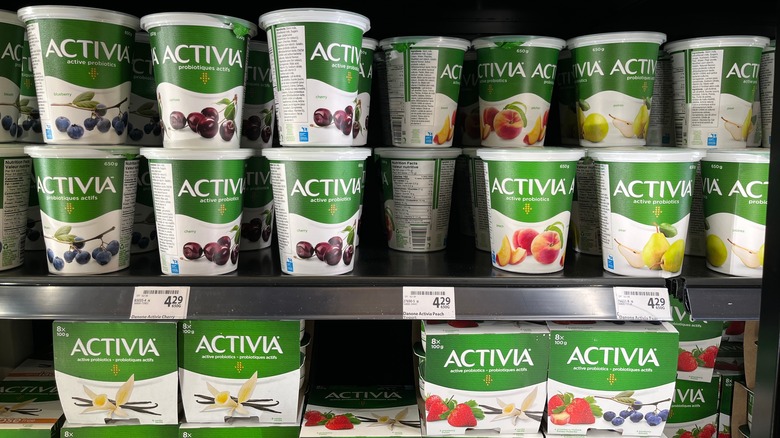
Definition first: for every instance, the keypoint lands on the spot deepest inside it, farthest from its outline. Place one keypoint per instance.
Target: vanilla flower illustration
(510, 410)
(101, 402)
(223, 399)
(19, 407)
(385, 420)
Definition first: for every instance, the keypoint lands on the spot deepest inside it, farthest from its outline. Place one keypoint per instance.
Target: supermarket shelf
(258, 290)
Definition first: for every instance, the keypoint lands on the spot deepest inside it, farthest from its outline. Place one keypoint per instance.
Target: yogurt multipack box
(361, 411)
(29, 409)
(484, 377)
(119, 430)
(699, 343)
(694, 408)
(32, 369)
(602, 373)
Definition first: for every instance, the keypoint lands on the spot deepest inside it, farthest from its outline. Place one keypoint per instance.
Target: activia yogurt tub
(585, 225)
(33, 231)
(317, 195)
(12, 32)
(199, 63)
(417, 196)
(144, 237)
(614, 75)
(423, 75)
(257, 222)
(87, 198)
(478, 197)
(715, 80)
(29, 114)
(660, 126)
(144, 128)
(82, 66)
(766, 83)
(734, 194)
(467, 132)
(516, 75)
(566, 95)
(363, 103)
(198, 203)
(15, 168)
(644, 201)
(529, 194)
(315, 69)
(257, 129)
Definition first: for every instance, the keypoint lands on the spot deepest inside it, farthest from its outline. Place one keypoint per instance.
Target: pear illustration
(641, 122)
(654, 249)
(632, 256)
(624, 126)
(672, 259)
(751, 259)
(740, 131)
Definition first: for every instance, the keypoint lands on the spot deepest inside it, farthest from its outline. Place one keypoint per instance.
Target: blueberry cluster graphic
(99, 118)
(75, 248)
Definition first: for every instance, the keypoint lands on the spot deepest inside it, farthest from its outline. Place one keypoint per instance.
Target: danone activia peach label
(117, 371)
(614, 74)
(644, 200)
(529, 206)
(239, 369)
(605, 375)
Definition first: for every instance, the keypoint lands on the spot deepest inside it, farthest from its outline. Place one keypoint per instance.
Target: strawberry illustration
(555, 402)
(462, 416)
(339, 422)
(431, 400)
(684, 434)
(580, 412)
(686, 361)
(314, 418)
(707, 431)
(735, 328)
(436, 410)
(724, 435)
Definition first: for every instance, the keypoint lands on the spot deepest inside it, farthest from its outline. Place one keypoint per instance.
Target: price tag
(160, 302)
(429, 302)
(642, 303)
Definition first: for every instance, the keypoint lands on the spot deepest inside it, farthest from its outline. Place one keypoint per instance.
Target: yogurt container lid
(324, 15)
(616, 37)
(646, 154)
(511, 41)
(86, 151)
(770, 47)
(317, 153)
(738, 156)
(239, 26)
(470, 151)
(10, 17)
(260, 46)
(370, 43)
(718, 41)
(12, 149)
(77, 13)
(426, 41)
(142, 37)
(196, 153)
(417, 153)
(531, 154)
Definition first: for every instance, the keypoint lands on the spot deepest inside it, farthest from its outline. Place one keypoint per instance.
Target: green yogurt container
(257, 222)
(257, 130)
(363, 103)
(29, 114)
(145, 128)
(15, 169)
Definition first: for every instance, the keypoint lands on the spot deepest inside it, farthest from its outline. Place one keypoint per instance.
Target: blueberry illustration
(50, 255)
(113, 247)
(6, 122)
(103, 125)
(609, 415)
(90, 123)
(75, 131)
(78, 242)
(617, 421)
(625, 413)
(62, 123)
(135, 134)
(135, 237)
(58, 263)
(636, 416)
(664, 414)
(103, 257)
(27, 124)
(69, 256)
(653, 420)
(97, 251)
(153, 235)
(33, 235)
(637, 405)
(148, 128)
(15, 130)
(83, 257)
(143, 243)
(100, 109)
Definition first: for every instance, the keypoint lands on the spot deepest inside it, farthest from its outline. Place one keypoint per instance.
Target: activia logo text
(654, 189)
(74, 184)
(239, 344)
(366, 73)
(336, 52)
(143, 67)
(203, 188)
(257, 179)
(634, 66)
(199, 54)
(750, 189)
(747, 70)
(530, 186)
(688, 396)
(363, 395)
(613, 356)
(114, 347)
(512, 69)
(258, 75)
(13, 51)
(452, 72)
(99, 50)
(40, 388)
(326, 187)
(471, 358)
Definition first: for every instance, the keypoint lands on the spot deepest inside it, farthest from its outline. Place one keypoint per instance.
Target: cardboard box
(118, 430)
(30, 409)
(739, 408)
(728, 380)
(694, 408)
(731, 357)
(699, 344)
(750, 346)
(242, 428)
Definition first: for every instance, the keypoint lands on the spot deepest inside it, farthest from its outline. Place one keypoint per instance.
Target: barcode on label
(427, 292)
(419, 236)
(641, 293)
(161, 292)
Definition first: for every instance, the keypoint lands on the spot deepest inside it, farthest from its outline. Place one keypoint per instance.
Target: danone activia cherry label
(117, 370)
(202, 201)
(734, 197)
(239, 369)
(645, 209)
(258, 218)
(600, 369)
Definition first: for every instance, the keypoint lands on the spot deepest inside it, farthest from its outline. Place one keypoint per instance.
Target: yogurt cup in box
(81, 61)
(200, 68)
(87, 198)
(15, 172)
(198, 204)
(257, 128)
(614, 75)
(423, 85)
(315, 66)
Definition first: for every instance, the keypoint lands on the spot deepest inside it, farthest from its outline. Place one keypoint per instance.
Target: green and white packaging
(240, 369)
(144, 237)
(735, 187)
(361, 411)
(32, 369)
(516, 76)
(315, 69)
(257, 130)
(117, 372)
(363, 102)
(699, 344)
(660, 128)
(238, 429)
(497, 371)
(604, 367)
(257, 221)
(199, 65)
(29, 114)
(585, 222)
(145, 128)
(71, 430)
(715, 81)
(30, 409)
(12, 32)
(565, 92)
(694, 409)
(644, 200)
(766, 83)
(82, 65)
(614, 74)
(423, 83)
(728, 379)
(467, 120)
(15, 169)
(478, 198)
(34, 233)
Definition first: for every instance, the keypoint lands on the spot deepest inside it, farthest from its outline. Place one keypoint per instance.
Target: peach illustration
(508, 124)
(523, 238)
(546, 246)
